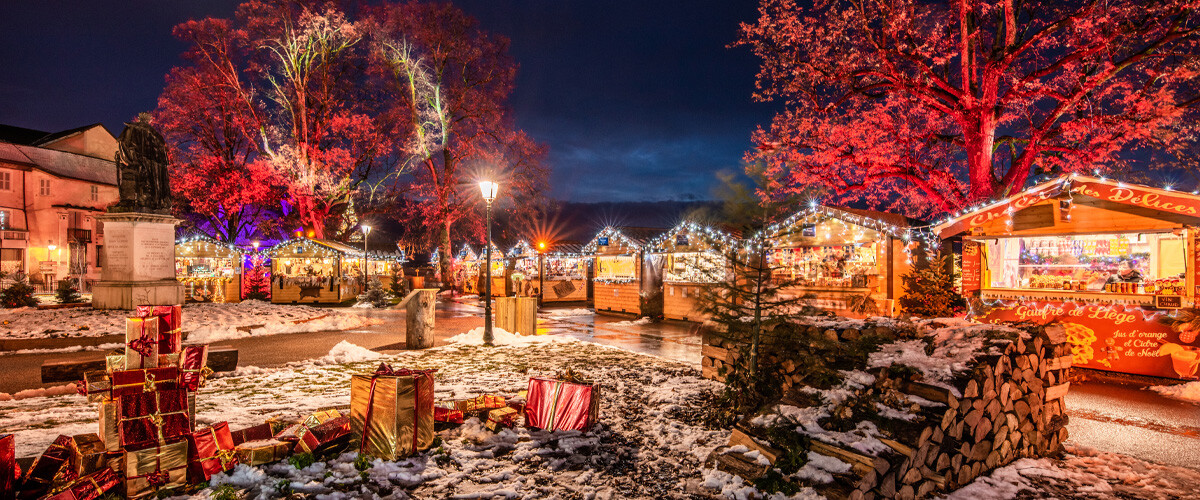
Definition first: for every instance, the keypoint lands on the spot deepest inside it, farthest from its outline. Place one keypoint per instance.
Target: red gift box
(170, 319)
(9, 471)
(193, 361)
(260, 432)
(152, 417)
(447, 415)
(130, 382)
(48, 467)
(560, 405)
(89, 487)
(211, 451)
(327, 435)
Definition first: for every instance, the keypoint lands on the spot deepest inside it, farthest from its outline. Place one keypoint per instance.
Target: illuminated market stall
(625, 280)
(693, 259)
(848, 261)
(315, 271)
(465, 267)
(210, 270)
(1108, 260)
(565, 270)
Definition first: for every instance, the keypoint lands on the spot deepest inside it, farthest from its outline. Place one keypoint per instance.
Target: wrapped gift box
(152, 417)
(326, 436)
(193, 361)
(447, 415)
(9, 471)
(51, 466)
(480, 404)
(89, 487)
(170, 321)
(155, 469)
(263, 451)
(255, 433)
(560, 405)
(141, 343)
(501, 418)
(392, 411)
(87, 454)
(211, 451)
(129, 382)
(295, 432)
(96, 385)
(108, 426)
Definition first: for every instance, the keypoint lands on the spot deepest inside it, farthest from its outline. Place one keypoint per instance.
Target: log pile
(1008, 405)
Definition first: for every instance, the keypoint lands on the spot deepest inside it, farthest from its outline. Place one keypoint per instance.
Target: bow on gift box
(81, 387)
(143, 345)
(387, 371)
(158, 478)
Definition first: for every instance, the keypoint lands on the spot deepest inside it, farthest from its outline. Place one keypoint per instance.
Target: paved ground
(1124, 417)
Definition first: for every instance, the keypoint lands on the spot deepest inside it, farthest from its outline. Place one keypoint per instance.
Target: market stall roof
(1084, 190)
(199, 239)
(466, 252)
(521, 249)
(336, 246)
(566, 249)
(708, 237)
(628, 236)
(891, 224)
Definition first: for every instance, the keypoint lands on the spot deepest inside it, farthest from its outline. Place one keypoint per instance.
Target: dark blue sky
(638, 100)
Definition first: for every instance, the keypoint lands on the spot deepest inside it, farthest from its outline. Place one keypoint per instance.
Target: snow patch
(345, 352)
(501, 336)
(1187, 392)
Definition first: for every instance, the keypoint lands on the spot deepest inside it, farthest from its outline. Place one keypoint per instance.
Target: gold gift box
(262, 452)
(156, 469)
(108, 426)
(141, 328)
(396, 429)
(501, 417)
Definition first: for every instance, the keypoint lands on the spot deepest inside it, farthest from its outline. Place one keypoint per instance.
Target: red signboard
(1118, 338)
(1138, 196)
(972, 263)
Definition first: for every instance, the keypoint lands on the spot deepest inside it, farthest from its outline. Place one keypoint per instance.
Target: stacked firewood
(1009, 405)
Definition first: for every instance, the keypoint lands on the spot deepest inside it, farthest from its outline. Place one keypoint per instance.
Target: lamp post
(489, 190)
(541, 271)
(366, 260)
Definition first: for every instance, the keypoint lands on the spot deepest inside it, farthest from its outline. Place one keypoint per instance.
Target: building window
(99, 256)
(12, 260)
(95, 193)
(44, 187)
(5, 219)
(5, 181)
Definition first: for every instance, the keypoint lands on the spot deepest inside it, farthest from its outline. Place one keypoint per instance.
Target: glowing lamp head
(489, 190)
(255, 244)
(366, 229)
(52, 247)
(312, 233)
(541, 246)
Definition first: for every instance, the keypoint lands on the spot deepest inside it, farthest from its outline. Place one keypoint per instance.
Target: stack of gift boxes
(148, 444)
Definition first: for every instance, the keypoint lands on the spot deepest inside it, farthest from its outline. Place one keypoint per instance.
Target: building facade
(51, 187)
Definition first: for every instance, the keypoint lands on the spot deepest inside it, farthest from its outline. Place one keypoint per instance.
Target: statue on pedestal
(142, 177)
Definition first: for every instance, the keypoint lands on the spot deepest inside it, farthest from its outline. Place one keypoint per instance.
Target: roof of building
(22, 146)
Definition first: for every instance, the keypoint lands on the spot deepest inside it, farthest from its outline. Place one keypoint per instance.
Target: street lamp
(541, 271)
(489, 190)
(366, 260)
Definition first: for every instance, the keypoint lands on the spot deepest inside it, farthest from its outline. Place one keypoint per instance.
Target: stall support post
(541, 277)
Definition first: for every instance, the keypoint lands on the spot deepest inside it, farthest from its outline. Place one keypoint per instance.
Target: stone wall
(1007, 405)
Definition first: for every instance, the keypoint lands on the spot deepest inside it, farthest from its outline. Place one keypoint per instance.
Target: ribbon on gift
(174, 455)
(227, 458)
(156, 418)
(555, 395)
(149, 384)
(81, 387)
(143, 344)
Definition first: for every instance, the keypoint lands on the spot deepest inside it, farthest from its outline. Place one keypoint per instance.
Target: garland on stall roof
(209, 242)
(611, 233)
(714, 238)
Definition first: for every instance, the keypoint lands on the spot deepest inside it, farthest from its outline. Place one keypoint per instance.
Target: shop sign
(1168, 301)
(972, 263)
(47, 266)
(1136, 196)
(1126, 339)
(999, 211)
(602, 241)
(808, 230)
(681, 240)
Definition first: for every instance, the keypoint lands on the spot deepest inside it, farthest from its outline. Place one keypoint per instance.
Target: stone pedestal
(139, 262)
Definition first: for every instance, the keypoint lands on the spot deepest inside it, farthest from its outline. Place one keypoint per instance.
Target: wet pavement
(1125, 417)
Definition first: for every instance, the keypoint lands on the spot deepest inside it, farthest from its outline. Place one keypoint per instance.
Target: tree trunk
(980, 139)
(444, 254)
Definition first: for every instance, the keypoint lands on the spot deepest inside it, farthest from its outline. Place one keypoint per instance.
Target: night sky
(637, 100)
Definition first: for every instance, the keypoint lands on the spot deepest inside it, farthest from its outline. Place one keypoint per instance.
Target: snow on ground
(501, 336)
(644, 320)
(579, 311)
(956, 346)
(74, 348)
(1187, 392)
(651, 439)
(1082, 473)
(202, 322)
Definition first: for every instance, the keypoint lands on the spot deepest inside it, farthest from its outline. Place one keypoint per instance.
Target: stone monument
(139, 231)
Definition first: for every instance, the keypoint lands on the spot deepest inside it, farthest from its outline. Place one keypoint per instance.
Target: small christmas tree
(930, 290)
(67, 293)
(256, 284)
(19, 293)
(398, 285)
(375, 295)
